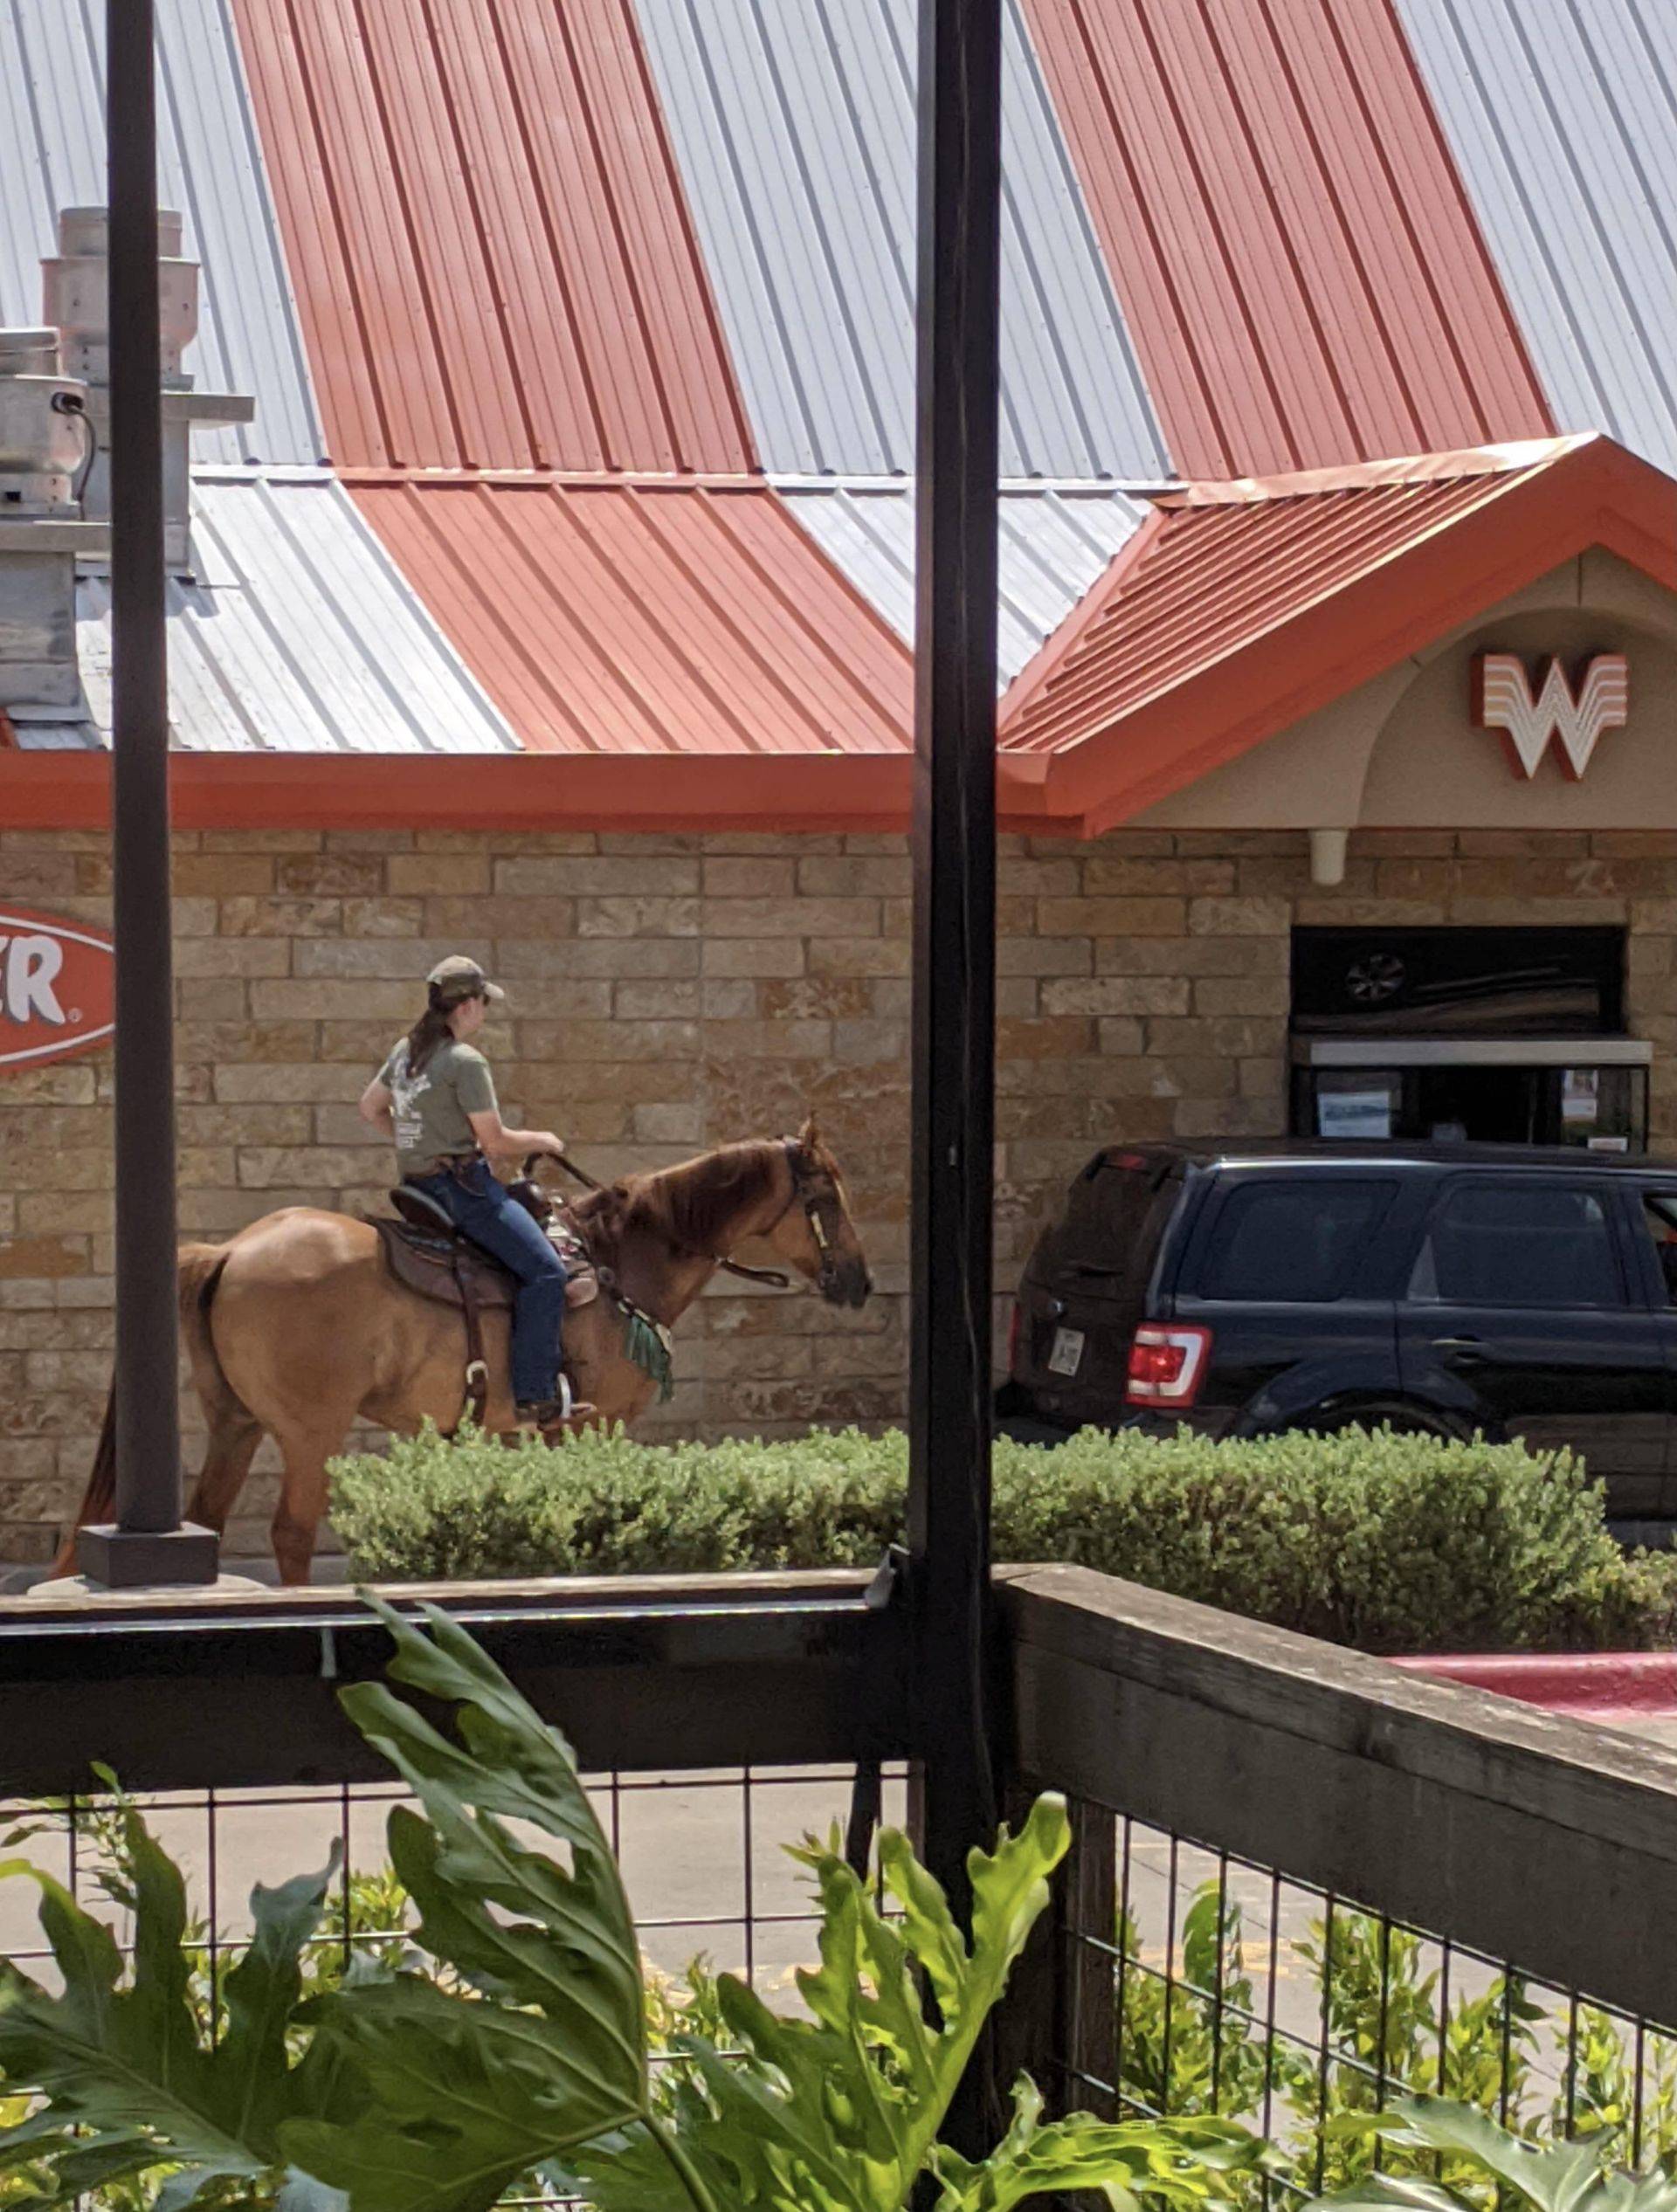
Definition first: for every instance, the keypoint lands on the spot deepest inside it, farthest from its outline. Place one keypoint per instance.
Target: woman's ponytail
(429, 1031)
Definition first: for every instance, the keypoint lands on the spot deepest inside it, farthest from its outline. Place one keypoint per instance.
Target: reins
(771, 1276)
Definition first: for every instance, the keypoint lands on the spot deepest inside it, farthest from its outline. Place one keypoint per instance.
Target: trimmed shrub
(1389, 1542)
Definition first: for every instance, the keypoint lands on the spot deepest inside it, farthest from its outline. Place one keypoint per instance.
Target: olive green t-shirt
(431, 1108)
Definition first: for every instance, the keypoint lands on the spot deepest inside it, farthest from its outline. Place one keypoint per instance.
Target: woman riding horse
(435, 1098)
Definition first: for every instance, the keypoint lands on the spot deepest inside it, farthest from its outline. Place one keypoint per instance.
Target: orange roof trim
(1242, 607)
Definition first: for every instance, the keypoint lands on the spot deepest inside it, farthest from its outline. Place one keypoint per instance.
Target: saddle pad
(423, 1263)
(426, 1263)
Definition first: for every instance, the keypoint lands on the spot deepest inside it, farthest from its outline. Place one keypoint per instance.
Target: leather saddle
(426, 1253)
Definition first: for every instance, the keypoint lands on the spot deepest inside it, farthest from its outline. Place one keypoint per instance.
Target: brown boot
(555, 1416)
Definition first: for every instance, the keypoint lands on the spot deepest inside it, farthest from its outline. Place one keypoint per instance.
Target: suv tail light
(1166, 1365)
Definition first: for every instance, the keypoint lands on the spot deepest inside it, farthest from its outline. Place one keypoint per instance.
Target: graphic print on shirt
(406, 1091)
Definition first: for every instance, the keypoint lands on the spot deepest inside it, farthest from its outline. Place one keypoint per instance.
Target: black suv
(1247, 1288)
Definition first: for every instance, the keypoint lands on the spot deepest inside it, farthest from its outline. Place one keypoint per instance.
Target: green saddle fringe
(650, 1353)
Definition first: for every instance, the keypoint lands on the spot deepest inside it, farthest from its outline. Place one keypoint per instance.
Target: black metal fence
(1226, 1987)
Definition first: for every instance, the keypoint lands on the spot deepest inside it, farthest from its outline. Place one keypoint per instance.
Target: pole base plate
(186, 1558)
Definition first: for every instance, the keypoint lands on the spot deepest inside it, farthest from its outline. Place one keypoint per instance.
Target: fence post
(1058, 2021)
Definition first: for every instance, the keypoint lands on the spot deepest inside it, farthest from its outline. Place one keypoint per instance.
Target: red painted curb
(1586, 1683)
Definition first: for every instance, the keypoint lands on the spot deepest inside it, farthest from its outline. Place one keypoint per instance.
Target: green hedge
(1392, 1543)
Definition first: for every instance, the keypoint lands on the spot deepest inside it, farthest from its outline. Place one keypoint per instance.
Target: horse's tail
(200, 1271)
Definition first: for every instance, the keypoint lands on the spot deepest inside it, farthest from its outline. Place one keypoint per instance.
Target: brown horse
(295, 1328)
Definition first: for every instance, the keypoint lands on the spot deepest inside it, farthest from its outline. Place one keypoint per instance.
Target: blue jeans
(481, 1209)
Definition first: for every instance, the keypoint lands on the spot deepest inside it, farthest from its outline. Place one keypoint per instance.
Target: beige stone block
(329, 999)
(1421, 845)
(598, 876)
(853, 877)
(586, 960)
(1522, 844)
(633, 917)
(41, 1131)
(607, 1040)
(222, 875)
(60, 1330)
(892, 997)
(1240, 995)
(771, 843)
(1536, 913)
(1044, 955)
(666, 1123)
(1032, 877)
(327, 1125)
(208, 999)
(25, 1293)
(553, 997)
(336, 874)
(747, 878)
(236, 1085)
(49, 1221)
(370, 842)
(1061, 1037)
(253, 1122)
(443, 875)
(278, 917)
(653, 1000)
(1147, 878)
(1176, 1075)
(729, 998)
(1117, 994)
(817, 997)
(1019, 998)
(406, 960)
(797, 918)
(81, 1293)
(194, 917)
(225, 956)
(859, 956)
(1239, 917)
(869, 1042)
(1224, 845)
(1325, 912)
(761, 1040)
(383, 917)
(44, 874)
(302, 1166)
(1116, 844)
(1264, 1079)
(1192, 955)
(71, 1083)
(561, 1084)
(39, 1256)
(1288, 877)
(1215, 1035)
(1114, 1075)
(1138, 917)
(1121, 1035)
(755, 956)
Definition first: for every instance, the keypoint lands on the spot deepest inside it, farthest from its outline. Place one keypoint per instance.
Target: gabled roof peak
(1362, 476)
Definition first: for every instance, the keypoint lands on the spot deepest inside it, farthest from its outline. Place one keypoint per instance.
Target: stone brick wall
(671, 993)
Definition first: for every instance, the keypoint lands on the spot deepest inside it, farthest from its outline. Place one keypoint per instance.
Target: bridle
(804, 1192)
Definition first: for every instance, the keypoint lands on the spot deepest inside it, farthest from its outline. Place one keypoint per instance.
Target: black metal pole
(148, 1543)
(955, 921)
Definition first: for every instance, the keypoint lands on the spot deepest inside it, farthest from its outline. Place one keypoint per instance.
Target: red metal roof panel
(493, 257)
(644, 617)
(1296, 257)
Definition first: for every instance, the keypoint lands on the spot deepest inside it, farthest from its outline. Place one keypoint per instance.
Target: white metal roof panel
(795, 131)
(302, 637)
(1563, 118)
(1054, 544)
(53, 156)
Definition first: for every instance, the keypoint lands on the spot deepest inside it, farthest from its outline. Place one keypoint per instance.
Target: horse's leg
(297, 1518)
(234, 1438)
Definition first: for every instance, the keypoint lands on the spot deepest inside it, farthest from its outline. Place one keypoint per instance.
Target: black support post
(955, 921)
(148, 1543)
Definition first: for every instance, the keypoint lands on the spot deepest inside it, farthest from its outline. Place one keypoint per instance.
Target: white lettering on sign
(30, 967)
(1503, 700)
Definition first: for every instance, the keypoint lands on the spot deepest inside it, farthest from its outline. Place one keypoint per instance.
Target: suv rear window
(1295, 1240)
(1517, 1245)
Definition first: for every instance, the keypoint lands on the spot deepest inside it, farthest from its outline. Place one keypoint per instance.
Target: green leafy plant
(1492, 2163)
(518, 2039)
(1391, 1543)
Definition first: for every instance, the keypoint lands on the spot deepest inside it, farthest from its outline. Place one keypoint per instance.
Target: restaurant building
(543, 577)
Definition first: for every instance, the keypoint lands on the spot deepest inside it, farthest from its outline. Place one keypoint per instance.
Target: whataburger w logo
(57, 989)
(1503, 700)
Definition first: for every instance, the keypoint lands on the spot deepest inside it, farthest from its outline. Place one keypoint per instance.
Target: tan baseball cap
(461, 977)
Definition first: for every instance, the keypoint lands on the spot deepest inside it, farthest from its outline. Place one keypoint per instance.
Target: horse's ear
(808, 1136)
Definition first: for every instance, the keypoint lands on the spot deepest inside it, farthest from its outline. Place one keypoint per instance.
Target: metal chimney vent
(76, 291)
(45, 454)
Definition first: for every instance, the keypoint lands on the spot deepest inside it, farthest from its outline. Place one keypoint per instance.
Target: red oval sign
(57, 989)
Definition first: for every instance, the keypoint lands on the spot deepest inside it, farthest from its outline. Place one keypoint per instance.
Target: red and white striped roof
(581, 336)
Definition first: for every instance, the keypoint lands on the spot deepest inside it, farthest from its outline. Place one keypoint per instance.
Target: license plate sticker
(1068, 1355)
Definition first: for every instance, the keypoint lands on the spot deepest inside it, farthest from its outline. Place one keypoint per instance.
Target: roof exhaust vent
(46, 449)
(75, 288)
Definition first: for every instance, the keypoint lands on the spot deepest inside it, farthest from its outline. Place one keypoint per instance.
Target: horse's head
(815, 1234)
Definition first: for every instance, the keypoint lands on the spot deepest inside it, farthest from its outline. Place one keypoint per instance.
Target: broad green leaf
(1121, 2163)
(1566, 2177)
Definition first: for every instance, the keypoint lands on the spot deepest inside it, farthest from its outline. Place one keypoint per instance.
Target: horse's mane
(688, 1208)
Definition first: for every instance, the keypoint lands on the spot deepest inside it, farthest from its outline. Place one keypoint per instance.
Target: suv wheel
(1407, 1420)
